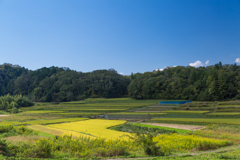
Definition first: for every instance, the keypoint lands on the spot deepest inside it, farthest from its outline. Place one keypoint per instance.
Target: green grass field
(182, 131)
(224, 113)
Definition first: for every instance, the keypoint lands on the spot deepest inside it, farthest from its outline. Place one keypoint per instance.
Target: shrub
(3, 147)
(11, 130)
(146, 140)
(13, 103)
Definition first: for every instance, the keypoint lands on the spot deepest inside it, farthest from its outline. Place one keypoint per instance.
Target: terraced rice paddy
(52, 121)
(151, 125)
(57, 132)
(40, 112)
(92, 110)
(225, 114)
(234, 106)
(77, 113)
(175, 142)
(185, 112)
(200, 120)
(137, 113)
(95, 127)
(51, 118)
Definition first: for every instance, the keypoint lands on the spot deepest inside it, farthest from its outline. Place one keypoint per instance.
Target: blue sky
(127, 35)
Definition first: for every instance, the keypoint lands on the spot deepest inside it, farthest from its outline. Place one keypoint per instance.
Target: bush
(13, 103)
(3, 147)
(11, 130)
(146, 140)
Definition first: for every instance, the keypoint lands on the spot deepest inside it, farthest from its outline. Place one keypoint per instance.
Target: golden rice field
(95, 127)
(175, 142)
(56, 131)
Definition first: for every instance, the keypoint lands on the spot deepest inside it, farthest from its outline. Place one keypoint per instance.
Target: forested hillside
(61, 84)
(218, 82)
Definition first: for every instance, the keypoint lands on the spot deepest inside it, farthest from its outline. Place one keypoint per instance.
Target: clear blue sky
(127, 35)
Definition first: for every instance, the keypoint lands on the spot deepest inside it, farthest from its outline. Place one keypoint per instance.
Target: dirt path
(193, 154)
(4, 115)
(178, 126)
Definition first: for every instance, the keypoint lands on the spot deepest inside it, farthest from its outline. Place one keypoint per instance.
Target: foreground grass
(229, 154)
(221, 131)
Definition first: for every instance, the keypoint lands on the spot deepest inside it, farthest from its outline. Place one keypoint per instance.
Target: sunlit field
(115, 122)
(94, 127)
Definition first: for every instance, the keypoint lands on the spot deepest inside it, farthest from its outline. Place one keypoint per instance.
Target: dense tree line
(61, 84)
(217, 82)
(13, 103)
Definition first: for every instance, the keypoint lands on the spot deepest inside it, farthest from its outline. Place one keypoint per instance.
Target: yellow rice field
(56, 131)
(175, 142)
(95, 127)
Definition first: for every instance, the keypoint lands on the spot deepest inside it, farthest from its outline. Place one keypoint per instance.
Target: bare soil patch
(178, 126)
(4, 115)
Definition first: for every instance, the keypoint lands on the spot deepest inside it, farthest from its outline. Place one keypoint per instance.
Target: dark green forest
(217, 82)
(61, 84)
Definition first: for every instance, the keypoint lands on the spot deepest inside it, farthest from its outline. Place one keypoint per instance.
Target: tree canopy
(61, 84)
(217, 82)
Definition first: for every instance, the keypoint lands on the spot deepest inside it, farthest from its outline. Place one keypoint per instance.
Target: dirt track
(4, 115)
(178, 126)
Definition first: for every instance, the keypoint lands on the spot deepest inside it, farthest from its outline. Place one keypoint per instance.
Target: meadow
(113, 128)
